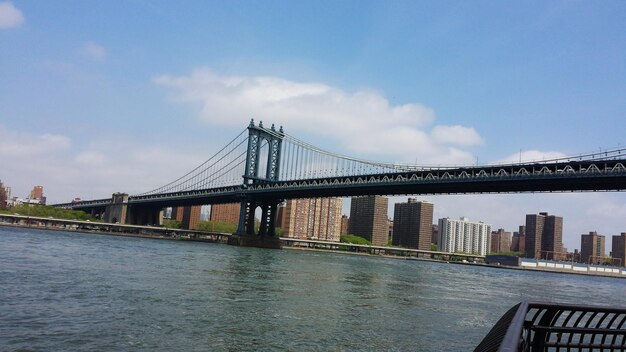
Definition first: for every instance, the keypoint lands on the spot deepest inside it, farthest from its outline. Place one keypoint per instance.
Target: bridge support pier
(246, 232)
(258, 138)
(116, 212)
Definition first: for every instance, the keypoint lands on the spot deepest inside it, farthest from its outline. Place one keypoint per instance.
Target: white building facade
(464, 236)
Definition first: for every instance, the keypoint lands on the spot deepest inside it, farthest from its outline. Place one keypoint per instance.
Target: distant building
(412, 224)
(177, 214)
(368, 219)
(518, 241)
(390, 229)
(435, 236)
(37, 194)
(280, 215)
(464, 236)
(226, 213)
(592, 248)
(3, 196)
(500, 241)
(618, 249)
(189, 216)
(345, 221)
(544, 236)
(314, 218)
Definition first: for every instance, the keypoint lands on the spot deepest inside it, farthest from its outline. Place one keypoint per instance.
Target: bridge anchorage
(262, 168)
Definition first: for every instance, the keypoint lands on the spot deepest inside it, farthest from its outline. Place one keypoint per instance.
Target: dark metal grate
(558, 328)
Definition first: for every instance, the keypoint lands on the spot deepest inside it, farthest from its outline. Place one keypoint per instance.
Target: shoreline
(599, 274)
(301, 248)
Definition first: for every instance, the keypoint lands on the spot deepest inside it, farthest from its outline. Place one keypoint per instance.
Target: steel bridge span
(262, 166)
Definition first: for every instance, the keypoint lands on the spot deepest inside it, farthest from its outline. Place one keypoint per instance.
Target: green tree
(354, 239)
(434, 247)
(172, 224)
(43, 211)
(216, 226)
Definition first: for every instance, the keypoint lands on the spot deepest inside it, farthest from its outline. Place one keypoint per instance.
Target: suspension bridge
(261, 167)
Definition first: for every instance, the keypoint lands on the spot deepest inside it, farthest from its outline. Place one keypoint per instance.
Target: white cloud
(456, 135)
(10, 16)
(364, 122)
(105, 166)
(23, 145)
(91, 158)
(94, 51)
(532, 155)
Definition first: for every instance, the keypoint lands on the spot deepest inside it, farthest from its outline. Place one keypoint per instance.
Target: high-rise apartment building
(618, 249)
(3, 196)
(189, 216)
(345, 221)
(464, 236)
(592, 248)
(227, 213)
(435, 236)
(500, 241)
(413, 224)
(368, 219)
(177, 213)
(314, 218)
(544, 236)
(518, 241)
(37, 194)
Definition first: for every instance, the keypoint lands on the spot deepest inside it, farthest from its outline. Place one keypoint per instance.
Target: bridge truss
(262, 166)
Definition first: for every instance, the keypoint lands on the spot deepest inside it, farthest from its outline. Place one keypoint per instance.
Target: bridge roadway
(563, 176)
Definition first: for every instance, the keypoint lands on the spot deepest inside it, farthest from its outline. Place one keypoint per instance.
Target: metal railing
(532, 326)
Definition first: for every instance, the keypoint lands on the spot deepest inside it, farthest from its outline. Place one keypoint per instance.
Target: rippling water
(64, 291)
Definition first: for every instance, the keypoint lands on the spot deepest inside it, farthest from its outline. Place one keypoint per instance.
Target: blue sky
(97, 97)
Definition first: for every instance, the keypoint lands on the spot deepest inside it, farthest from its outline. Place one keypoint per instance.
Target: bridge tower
(262, 167)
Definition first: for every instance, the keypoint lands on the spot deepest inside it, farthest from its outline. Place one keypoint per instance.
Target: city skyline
(105, 104)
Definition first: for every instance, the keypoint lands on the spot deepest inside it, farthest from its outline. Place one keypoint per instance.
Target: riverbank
(148, 232)
(160, 233)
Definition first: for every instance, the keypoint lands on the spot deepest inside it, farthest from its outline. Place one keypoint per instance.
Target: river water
(62, 291)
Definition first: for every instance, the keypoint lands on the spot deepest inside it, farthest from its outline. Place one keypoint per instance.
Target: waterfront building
(500, 241)
(226, 213)
(189, 216)
(412, 224)
(177, 213)
(544, 236)
(618, 249)
(37, 194)
(345, 221)
(313, 219)
(435, 237)
(518, 240)
(592, 248)
(368, 219)
(464, 236)
(280, 215)
(3, 196)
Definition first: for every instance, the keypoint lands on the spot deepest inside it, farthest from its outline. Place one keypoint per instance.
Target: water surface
(64, 291)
